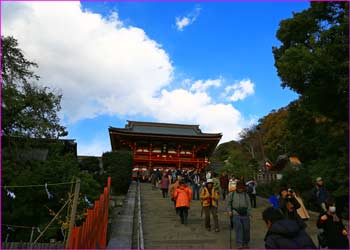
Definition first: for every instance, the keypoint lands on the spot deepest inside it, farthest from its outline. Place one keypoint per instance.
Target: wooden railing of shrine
(93, 232)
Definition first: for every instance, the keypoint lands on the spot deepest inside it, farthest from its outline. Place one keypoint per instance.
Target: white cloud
(95, 148)
(103, 67)
(202, 86)
(182, 22)
(183, 106)
(92, 59)
(240, 90)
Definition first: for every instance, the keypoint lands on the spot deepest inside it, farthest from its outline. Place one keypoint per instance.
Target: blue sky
(203, 63)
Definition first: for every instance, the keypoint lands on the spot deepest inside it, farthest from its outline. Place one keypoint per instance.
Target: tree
(275, 135)
(313, 58)
(28, 109)
(90, 164)
(313, 61)
(32, 207)
(118, 165)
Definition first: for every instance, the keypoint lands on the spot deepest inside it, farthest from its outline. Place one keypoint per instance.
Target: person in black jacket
(287, 203)
(334, 231)
(284, 233)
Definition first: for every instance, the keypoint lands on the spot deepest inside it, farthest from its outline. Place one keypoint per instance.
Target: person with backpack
(209, 197)
(239, 210)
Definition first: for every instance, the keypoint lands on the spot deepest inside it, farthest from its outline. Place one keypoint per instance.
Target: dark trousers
(253, 200)
(195, 193)
(241, 225)
(165, 192)
(224, 192)
(214, 211)
(183, 213)
(176, 209)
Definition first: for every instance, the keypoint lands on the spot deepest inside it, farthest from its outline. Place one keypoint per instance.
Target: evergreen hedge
(118, 165)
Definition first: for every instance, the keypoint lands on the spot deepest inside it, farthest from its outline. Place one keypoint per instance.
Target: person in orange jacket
(183, 197)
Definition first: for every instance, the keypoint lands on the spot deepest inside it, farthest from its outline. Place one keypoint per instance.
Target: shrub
(90, 164)
(268, 189)
(118, 165)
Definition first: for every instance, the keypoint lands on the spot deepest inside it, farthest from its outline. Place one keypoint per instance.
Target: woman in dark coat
(336, 235)
(284, 233)
(288, 204)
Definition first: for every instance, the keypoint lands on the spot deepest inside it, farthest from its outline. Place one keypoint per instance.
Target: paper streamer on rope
(88, 202)
(49, 195)
(38, 229)
(11, 194)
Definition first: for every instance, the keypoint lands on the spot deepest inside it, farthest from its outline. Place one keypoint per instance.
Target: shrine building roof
(136, 127)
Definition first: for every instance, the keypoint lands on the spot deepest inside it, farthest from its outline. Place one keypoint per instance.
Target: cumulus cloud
(184, 106)
(182, 22)
(239, 90)
(92, 59)
(103, 67)
(202, 86)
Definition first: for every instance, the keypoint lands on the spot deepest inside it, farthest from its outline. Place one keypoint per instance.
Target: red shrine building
(165, 145)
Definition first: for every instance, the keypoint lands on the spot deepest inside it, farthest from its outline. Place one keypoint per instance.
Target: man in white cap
(210, 197)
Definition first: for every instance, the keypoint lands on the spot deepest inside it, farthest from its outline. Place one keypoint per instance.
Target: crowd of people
(285, 218)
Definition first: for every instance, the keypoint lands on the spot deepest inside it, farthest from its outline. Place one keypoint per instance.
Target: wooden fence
(93, 232)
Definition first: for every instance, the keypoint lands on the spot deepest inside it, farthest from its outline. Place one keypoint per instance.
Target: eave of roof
(121, 131)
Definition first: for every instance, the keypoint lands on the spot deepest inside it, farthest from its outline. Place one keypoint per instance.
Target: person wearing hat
(320, 194)
(239, 211)
(288, 204)
(209, 197)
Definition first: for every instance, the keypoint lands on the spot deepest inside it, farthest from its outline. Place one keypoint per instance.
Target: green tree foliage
(272, 132)
(313, 58)
(313, 61)
(31, 111)
(237, 160)
(31, 207)
(118, 165)
(90, 164)
(27, 109)
(250, 141)
(275, 135)
(223, 151)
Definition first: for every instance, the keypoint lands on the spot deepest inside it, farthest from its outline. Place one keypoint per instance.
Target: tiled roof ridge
(165, 124)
